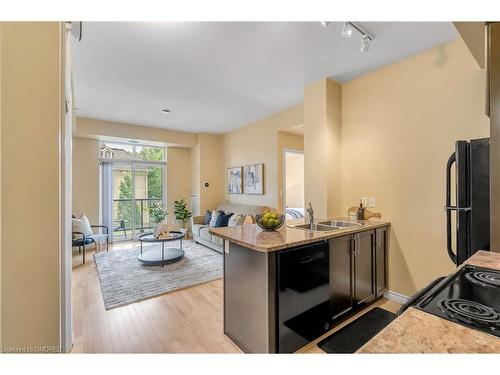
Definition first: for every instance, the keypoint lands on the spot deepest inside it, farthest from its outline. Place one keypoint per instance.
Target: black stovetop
(470, 296)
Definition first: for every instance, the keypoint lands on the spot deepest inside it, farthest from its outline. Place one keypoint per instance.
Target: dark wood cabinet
(380, 268)
(340, 276)
(363, 288)
(357, 270)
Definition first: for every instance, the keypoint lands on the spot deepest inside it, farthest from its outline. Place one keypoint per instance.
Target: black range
(470, 297)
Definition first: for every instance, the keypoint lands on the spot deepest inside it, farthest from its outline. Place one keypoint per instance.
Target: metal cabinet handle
(355, 245)
(359, 244)
(355, 251)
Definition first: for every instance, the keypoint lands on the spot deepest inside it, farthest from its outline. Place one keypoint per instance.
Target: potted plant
(182, 214)
(158, 214)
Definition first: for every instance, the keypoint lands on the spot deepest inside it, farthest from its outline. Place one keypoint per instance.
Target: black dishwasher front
(303, 296)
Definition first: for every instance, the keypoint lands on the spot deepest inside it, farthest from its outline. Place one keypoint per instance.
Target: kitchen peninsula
(284, 289)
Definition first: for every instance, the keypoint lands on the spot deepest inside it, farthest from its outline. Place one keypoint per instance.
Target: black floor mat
(357, 333)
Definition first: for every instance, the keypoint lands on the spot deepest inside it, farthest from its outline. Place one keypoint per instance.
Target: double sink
(326, 226)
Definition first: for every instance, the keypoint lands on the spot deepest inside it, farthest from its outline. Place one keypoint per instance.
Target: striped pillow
(213, 220)
(236, 219)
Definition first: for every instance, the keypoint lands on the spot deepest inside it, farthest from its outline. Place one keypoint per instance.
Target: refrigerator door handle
(455, 208)
(451, 253)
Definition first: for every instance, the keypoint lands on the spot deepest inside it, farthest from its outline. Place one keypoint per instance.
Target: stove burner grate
(470, 312)
(484, 278)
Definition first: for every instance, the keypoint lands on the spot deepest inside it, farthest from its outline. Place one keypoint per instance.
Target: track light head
(365, 43)
(347, 30)
(325, 23)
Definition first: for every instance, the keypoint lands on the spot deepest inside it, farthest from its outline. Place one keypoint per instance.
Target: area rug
(125, 280)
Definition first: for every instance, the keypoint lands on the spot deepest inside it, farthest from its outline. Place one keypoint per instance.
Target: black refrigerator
(468, 199)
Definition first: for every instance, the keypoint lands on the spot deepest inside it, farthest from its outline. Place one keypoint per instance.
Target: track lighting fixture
(346, 30)
(365, 43)
(366, 38)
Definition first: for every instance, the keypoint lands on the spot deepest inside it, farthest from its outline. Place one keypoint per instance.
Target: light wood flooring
(186, 321)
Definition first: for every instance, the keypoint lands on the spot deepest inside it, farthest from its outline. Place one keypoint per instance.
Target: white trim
(283, 170)
(396, 297)
(136, 161)
(65, 184)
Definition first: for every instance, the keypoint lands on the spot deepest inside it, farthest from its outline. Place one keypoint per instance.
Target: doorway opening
(293, 182)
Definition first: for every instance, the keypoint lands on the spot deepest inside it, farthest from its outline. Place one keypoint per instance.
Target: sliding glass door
(148, 190)
(137, 182)
(123, 201)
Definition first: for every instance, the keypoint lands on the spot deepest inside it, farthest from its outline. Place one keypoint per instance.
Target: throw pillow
(84, 218)
(208, 217)
(213, 220)
(223, 219)
(80, 225)
(236, 219)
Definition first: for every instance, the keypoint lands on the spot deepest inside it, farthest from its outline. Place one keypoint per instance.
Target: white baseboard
(396, 297)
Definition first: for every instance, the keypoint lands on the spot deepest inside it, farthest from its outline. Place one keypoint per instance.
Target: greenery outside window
(138, 182)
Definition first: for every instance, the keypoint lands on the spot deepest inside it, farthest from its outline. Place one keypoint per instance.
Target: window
(137, 181)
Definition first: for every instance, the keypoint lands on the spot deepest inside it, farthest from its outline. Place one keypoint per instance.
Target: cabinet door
(380, 260)
(364, 282)
(340, 276)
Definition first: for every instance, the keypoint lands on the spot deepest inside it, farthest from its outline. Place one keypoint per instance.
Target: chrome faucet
(310, 211)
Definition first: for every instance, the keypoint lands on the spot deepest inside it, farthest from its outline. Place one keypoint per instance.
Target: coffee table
(163, 255)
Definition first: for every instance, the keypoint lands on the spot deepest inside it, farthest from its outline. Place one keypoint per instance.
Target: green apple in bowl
(270, 221)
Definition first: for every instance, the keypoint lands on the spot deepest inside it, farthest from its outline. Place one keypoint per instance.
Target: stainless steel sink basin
(340, 224)
(317, 227)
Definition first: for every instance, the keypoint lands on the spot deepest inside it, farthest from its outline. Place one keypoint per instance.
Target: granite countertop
(253, 237)
(416, 331)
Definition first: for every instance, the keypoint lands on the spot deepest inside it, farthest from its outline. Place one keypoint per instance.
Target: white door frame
(293, 151)
(66, 311)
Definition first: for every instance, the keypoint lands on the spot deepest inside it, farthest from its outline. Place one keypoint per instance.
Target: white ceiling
(218, 76)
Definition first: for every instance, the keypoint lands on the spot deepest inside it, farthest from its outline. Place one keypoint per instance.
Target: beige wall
(286, 141)
(474, 36)
(211, 156)
(322, 109)
(1, 184)
(86, 178)
(178, 180)
(399, 126)
(30, 201)
(87, 127)
(258, 143)
(195, 178)
(294, 187)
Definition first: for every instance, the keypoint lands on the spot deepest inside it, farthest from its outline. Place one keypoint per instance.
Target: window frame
(133, 162)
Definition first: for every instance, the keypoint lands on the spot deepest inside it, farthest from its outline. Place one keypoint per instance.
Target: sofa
(201, 232)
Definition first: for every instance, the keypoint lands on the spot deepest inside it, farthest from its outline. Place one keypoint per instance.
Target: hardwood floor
(186, 321)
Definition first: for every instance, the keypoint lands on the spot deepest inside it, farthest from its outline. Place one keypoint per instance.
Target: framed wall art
(253, 178)
(234, 180)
